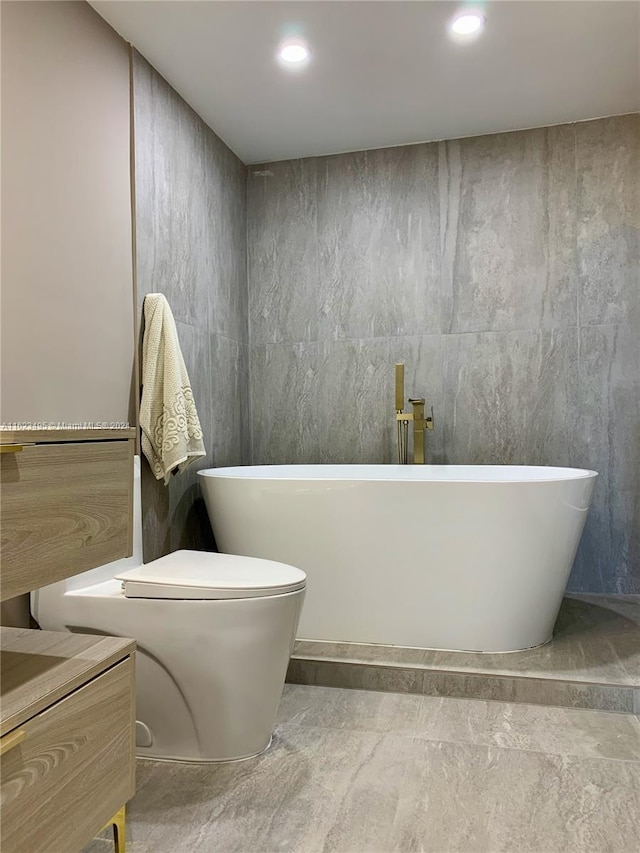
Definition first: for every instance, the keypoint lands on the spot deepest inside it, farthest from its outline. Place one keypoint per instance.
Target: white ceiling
(385, 73)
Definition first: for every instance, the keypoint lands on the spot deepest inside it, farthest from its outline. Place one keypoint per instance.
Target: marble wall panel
(508, 231)
(171, 202)
(608, 218)
(191, 246)
(286, 403)
(378, 243)
(356, 410)
(283, 252)
(333, 402)
(229, 381)
(607, 438)
(508, 397)
(226, 223)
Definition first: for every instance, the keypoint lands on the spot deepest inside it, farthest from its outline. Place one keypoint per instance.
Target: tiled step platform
(592, 662)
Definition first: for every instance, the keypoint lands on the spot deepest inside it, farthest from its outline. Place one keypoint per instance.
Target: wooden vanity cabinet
(67, 701)
(67, 745)
(66, 504)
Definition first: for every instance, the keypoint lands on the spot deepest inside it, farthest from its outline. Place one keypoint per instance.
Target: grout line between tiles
(421, 736)
(435, 334)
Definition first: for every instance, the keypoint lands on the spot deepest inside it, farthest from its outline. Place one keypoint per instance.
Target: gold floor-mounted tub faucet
(420, 423)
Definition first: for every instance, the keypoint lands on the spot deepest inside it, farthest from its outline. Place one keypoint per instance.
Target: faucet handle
(429, 420)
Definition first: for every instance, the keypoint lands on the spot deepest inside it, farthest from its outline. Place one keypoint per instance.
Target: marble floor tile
(620, 632)
(305, 794)
(626, 605)
(570, 731)
(345, 773)
(330, 707)
(533, 728)
(462, 797)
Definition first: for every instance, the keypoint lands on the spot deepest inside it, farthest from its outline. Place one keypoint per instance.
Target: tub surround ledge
(592, 662)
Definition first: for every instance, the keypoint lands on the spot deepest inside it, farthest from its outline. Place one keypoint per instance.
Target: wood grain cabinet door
(65, 508)
(70, 768)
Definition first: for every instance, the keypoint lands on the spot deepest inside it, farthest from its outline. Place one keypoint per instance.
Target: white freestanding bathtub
(434, 556)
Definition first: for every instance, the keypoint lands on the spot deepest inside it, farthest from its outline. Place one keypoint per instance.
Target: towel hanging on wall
(171, 431)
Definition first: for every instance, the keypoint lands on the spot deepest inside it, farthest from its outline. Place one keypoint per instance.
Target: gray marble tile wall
(191, 246)
(504, 270)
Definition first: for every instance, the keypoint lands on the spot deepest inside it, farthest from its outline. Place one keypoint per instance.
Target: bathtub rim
(314, 473)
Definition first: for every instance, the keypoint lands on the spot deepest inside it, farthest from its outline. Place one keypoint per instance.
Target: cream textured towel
(171, 432)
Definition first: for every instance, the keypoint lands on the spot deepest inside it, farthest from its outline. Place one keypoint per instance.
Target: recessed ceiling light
(294, 53)
(467, 23)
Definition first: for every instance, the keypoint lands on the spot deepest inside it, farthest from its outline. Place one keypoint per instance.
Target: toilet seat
(204, 575)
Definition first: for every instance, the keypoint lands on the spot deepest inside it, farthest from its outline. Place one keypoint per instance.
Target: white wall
(67, 285)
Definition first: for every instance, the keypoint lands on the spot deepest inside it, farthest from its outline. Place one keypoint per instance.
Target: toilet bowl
(214, 636)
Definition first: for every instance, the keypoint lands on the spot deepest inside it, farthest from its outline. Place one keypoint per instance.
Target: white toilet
(214, 634)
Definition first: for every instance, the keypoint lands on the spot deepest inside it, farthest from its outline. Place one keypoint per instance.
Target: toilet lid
(201, 574)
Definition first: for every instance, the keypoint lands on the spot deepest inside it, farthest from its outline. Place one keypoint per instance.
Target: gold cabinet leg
(118, 822)
(120, 831)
